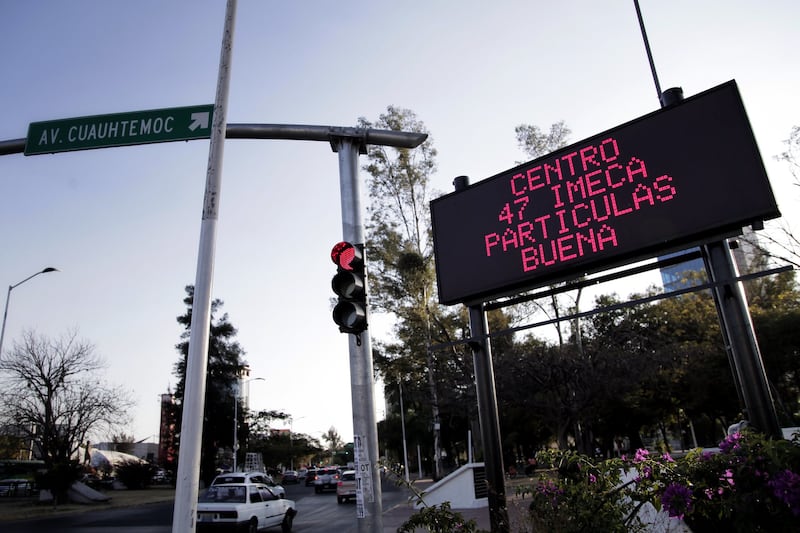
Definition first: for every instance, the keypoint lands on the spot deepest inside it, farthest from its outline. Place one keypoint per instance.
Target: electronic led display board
(673, 178)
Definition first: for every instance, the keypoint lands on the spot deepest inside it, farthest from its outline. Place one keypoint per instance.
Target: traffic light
(349, 284)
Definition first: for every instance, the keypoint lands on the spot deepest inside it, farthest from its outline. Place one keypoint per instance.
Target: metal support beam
(293, 132)
(489, 419)
(740, 340)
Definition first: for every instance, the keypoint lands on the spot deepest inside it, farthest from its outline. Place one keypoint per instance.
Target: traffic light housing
(349, 284)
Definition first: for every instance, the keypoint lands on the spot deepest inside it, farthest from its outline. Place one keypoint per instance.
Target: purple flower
(641, 455)
(727, 476)
(550, 491)
(677, 500)
(667, 457)
(731, 443)
(592, 478)
(785, 486)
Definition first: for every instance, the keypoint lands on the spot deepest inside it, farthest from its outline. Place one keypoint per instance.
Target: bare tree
(52, 395)
(779, 241)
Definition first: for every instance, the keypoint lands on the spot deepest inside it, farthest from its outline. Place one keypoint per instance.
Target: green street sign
(119, 129)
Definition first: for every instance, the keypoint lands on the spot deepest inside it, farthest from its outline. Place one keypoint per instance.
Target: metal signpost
(120, 129)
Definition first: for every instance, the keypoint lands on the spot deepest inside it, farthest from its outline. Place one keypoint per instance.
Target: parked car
(346, 487)
(311, 475)
(243, 507)
(290, 476)
(161, 476)
(326, 478)
(250, 477)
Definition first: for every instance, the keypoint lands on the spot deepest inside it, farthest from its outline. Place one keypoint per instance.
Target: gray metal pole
(647, 48)
(743, 347)
(489, 418)
(188, 476)
(8, 298)
(403, 427)
(5, 316)
(235, 429)
(369, 507)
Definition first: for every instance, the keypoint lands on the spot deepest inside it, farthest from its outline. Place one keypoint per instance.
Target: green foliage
(432, 518)
(276, 448)
(536, 143)
(438, 519)
(225, 362)
(135, 474)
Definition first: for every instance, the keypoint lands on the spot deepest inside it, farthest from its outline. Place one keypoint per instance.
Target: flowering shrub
(580, 495)
(752, 484)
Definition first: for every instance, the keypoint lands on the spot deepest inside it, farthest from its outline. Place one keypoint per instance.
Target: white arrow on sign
(199, 120)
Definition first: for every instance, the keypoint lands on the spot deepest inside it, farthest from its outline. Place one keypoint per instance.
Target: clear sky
(122, 224)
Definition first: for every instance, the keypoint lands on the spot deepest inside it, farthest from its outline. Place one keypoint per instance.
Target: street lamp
(236, 417)
(8, 297)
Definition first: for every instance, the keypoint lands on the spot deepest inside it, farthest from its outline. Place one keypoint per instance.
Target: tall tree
(400, 255)
(225, 365)
(534, 142)
(54, 395)
(334, 441)
(402, 280)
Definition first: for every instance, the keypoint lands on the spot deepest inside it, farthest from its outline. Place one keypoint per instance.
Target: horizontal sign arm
(397, 139)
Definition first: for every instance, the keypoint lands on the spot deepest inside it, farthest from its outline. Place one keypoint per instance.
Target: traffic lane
(317, 512)
(150, 518)
(321, 512)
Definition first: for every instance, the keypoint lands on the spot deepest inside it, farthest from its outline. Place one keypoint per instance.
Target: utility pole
(184, 518)
(369, 505)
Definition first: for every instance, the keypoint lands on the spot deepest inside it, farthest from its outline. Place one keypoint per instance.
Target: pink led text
(583, 194)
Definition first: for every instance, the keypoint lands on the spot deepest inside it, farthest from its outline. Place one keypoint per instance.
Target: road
(316, 512)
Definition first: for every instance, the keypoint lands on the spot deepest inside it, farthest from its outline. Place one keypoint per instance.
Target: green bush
(438, 519)
(58, 479)
(135, 474)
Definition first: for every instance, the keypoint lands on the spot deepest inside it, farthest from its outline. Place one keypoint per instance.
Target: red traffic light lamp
(349, 284)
